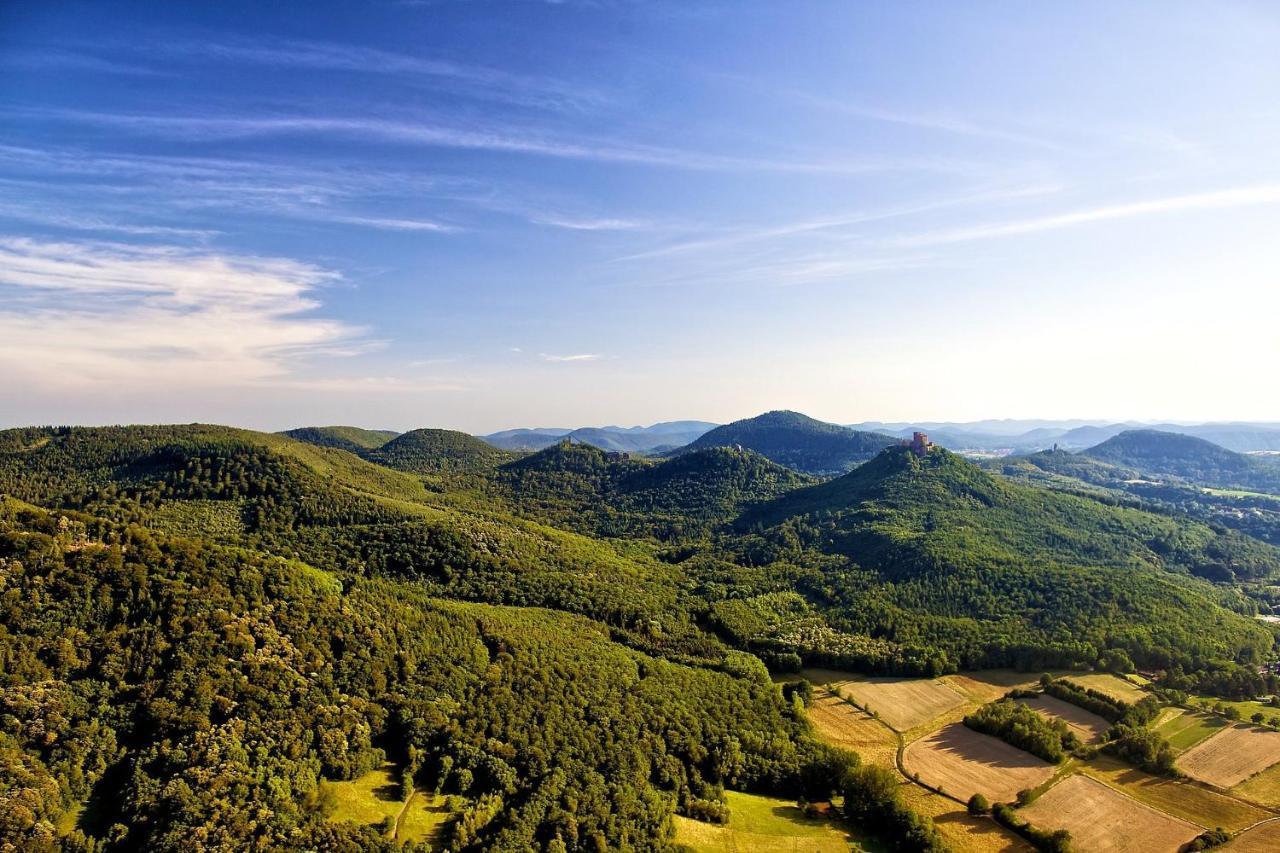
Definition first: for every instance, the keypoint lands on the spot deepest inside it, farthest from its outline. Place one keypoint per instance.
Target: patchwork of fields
(1102, 820)
(1108, 805)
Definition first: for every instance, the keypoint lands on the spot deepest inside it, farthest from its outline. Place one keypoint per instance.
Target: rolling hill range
(1165, 454)
(191, 598)
(797, 441)
(586, 489)
(648, 439)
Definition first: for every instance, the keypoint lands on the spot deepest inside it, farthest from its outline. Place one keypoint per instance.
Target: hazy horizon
(488, 216)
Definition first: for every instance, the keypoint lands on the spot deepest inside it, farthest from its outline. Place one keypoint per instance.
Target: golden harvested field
(1231, 756)
(1113, 686)
(903, 703)
(1102, 820)
(963, 762)
(1260, 839)
(1188, 801)
(837, 722)
(989, 684)
(963, 834)
(1086, 726)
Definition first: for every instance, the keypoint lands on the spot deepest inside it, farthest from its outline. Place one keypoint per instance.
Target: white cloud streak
(504, 139)
(82, 314)
(586, 356)
(1214, 200)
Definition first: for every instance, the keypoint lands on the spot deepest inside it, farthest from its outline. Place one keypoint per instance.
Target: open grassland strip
(1263, 789)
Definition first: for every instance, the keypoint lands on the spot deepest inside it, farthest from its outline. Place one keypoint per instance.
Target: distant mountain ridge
(635, 439)
(1032, 435)
(797, 441)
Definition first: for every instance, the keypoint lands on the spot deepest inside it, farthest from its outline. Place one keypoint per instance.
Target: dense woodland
(201, 625)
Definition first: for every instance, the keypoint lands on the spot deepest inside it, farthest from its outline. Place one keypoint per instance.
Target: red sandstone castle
(919, 444)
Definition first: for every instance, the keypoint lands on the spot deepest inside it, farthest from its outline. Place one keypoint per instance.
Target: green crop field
(766, 824)
(1189, 728)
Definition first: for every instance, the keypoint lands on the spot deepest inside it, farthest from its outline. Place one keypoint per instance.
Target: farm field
(1101, 820)
(1263, 788)
(373, 797)
(1231, 756)
(903, 703)
(1260, 839)
(1086, 726)
(839, 723)
(1112, 685)
(963, 762)
(1184, 729)
(963, 834)
(988, 685)
(1180, 799)
(765, 824)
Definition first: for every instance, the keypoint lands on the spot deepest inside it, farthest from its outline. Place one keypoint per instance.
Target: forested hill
(1168, 454)
(798, 442)
(996, 573)
(198, 697)
(353, 439)
(584, 488)
(438, 451)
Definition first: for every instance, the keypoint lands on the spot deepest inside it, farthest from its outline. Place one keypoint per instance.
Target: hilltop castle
(919, 443)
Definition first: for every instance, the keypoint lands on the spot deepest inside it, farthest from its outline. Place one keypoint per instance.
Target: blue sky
(480, 215)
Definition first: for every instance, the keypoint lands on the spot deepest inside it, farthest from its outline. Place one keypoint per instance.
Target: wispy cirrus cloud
(1256, 196)
(504, 138)
(585, 356)
(470, 80)
(87, 313)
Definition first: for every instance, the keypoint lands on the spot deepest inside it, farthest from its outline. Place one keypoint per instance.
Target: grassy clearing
(1104, 821)
(1263, 788)
(766, 824)
(1247, 708)
(1187, 728)
(1180, 799)
(375, 796)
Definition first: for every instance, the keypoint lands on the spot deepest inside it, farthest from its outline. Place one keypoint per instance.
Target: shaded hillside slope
(353, 439)
(797, 441)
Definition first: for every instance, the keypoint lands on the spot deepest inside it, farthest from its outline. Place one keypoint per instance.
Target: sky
(480, 215)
